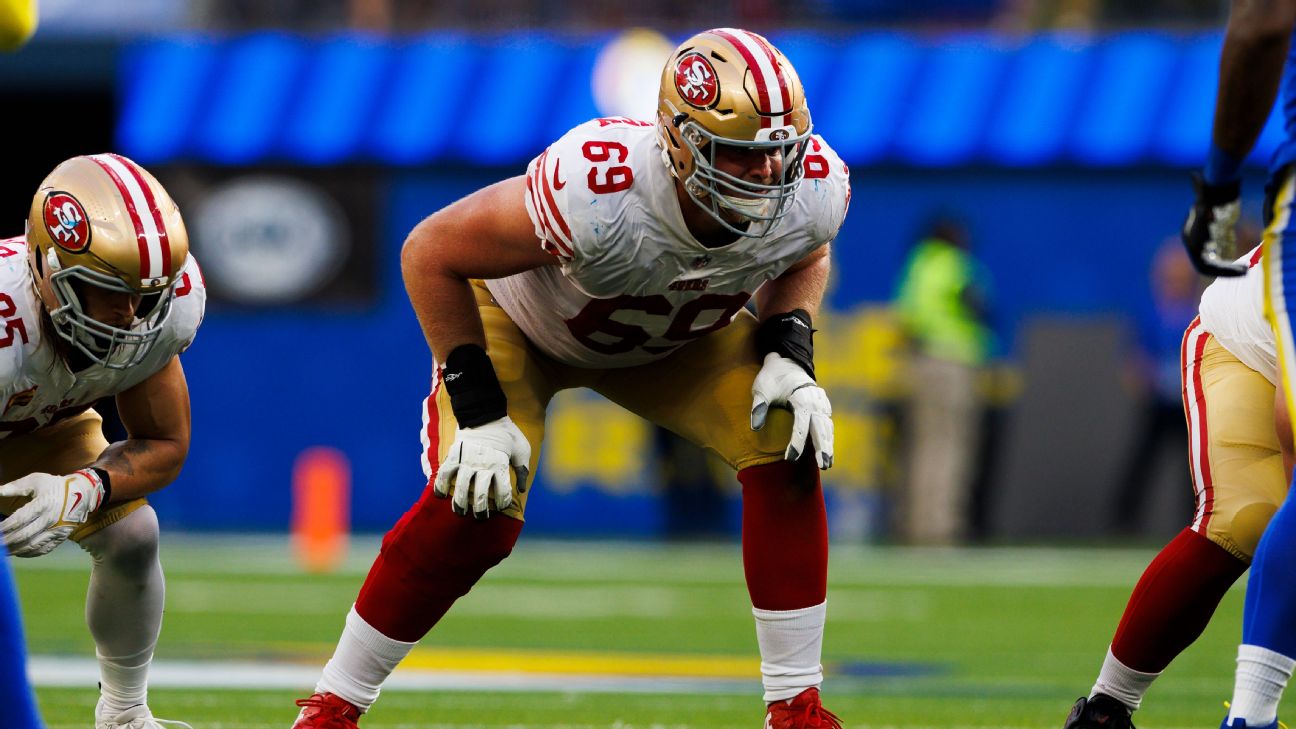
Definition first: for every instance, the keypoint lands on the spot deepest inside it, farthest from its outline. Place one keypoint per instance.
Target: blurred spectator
(942, 307)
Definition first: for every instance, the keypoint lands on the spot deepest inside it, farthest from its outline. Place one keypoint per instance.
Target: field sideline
(617, 635)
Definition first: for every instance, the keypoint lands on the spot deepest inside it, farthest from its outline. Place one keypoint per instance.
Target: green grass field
(993, 637)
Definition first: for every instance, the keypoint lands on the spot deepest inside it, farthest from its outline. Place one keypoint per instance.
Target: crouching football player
(97, 299)
(622, 261)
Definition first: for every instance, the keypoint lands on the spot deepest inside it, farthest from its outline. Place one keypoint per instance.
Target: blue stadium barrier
(1140, 97)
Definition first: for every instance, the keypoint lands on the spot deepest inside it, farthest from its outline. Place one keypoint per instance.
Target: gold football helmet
(732, 87)
(102, 220)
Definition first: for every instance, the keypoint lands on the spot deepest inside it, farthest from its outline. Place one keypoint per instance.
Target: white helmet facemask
(112, 347)
(758, 206)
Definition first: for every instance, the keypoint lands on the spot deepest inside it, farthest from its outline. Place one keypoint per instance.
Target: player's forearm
(801, 287)
(139, 466)
(447, 313)
(1251, 66)
(443, 299)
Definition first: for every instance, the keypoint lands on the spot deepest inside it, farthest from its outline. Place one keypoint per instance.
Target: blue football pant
(1269, 620)
(16, 697)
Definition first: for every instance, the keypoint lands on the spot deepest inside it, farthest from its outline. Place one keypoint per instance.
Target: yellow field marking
(575, 662)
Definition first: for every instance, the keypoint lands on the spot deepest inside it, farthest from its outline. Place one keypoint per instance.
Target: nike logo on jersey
(557, 184)
(72, 509)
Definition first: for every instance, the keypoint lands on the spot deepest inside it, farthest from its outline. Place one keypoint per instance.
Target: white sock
(791, 647)
(364, 658)
(1262, 675)
(123, 682)
(1122, 683)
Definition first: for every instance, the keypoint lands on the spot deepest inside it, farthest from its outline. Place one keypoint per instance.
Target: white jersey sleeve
(20, 326)
(188, 308)
(825, 187)
(580, 196)
(1232, 309)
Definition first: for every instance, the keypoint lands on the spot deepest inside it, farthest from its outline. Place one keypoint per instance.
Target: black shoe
(1099, 712)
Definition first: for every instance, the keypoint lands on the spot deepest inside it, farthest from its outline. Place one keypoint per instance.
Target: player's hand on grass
(781, 383)
(478, 467)
(1209, 233)
(57, 506)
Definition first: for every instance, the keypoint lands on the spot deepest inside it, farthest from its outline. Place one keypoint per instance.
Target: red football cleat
(326, 711)
(803, 712)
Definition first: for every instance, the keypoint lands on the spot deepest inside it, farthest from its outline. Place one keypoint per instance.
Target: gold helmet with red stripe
(102, 220)
(727, 86)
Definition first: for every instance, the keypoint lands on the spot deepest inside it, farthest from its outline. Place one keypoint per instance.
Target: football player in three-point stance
(622, 261)
(98, 298)
(1239, 467)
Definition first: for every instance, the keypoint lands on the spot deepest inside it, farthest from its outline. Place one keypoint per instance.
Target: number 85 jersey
(632, 283)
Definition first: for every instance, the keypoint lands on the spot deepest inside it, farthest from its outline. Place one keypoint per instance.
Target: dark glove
(1210, 230)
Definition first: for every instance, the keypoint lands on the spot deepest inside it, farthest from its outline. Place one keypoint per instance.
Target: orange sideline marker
(321, 518)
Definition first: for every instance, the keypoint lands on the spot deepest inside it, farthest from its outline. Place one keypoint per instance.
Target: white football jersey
(36, 387)
(1232, 309)
(633, 284)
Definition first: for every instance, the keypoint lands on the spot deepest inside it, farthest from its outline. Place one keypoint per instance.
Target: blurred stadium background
(304, 139)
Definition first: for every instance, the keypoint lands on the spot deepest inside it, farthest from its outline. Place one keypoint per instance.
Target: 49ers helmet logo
(65, 221)
(695, 79)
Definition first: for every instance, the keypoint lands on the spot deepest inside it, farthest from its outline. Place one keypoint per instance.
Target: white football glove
(781, 383)
(479, 461)
(58, 505)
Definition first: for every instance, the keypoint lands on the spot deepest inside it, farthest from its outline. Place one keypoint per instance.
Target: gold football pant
(1237, 468)
(702, 392)
(60, 448)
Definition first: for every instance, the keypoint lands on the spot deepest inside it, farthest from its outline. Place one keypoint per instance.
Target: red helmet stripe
(164, 242)
(130, 209)
(771, 84)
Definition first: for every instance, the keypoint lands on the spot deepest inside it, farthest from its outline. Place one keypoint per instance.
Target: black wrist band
(1214, 195)
(475, 393)
(1221, 194)
(791, 336)
(107, 486)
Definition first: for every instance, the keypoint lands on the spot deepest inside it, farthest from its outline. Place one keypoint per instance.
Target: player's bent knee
(130, 543)
(1248, 526)
(431, 538)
